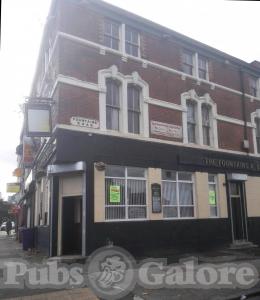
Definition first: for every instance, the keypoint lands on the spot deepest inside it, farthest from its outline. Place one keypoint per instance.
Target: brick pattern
(83, 63)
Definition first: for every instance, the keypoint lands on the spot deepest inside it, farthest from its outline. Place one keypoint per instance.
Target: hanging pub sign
(18, 172)
(156, 198)
(28, 152)
(13, 187)
(38, 120)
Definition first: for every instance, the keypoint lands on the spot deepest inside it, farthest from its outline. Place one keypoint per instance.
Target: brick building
(155, 140)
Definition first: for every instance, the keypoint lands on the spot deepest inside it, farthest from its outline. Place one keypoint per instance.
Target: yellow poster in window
(114, 194)
(212, 197)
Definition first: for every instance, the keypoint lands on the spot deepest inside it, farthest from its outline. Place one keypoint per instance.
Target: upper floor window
(199, 119)
(257, 134)
(195, 64)
(112, 34)
(112, 104)
(125, 197)
(253, 90)
(191, 121)
(206, 123)
(187, 62)
(202, 67)
(177, 194)
(131, 41)
(133, 106)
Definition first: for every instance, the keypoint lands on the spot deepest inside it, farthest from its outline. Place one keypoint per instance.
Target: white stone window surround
(254, 115)
(124, 80)
(205, 99)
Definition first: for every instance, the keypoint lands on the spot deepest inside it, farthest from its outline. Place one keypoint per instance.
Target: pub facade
(155, 139)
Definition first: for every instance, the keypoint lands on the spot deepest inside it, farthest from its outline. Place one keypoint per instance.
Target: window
(191, 121)
(187, 62)
(206, 128)
(112, 104)
(212, 180)
(257, 134)
(131, 41)
(177, 194)
(133, 105)
(111, 34)
(125, 193)
(253, 86)
(202, 67)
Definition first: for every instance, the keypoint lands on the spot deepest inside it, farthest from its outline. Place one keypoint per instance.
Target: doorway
(238, 210)
(72, 225)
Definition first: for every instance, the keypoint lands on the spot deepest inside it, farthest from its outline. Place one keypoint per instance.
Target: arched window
(257, 134)
(192, 121)
(133, 108)
(199, 119)
(206, 123)
(112, 104)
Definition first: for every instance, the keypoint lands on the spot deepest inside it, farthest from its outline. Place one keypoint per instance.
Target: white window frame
(197, 56)
(195, 60)
(192, 95)
(257, 86)
(126, 178)
(215, 183)
(119, 34)
(120, 104)
(125, 80)
(138, 39)
(255, 115)
(177, 181)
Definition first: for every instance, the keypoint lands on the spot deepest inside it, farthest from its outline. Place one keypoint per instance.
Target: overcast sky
(230, 26)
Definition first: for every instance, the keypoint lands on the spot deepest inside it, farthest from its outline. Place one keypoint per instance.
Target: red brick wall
(164, 115)
(83, 63)
(76, 101)
(83, 21)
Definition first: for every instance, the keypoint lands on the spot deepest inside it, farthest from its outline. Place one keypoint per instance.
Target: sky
(230, 26)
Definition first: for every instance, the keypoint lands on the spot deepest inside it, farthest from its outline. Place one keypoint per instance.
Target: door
(71, 225)
(238, 211)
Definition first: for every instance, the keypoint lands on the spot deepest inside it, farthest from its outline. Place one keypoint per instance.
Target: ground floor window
(177, 194)
(125, 197)
(212, 180)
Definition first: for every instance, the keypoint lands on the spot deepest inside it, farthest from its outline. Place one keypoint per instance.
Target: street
(11, 249)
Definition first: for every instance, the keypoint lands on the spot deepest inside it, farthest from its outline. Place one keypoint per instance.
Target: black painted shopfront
(146, 236)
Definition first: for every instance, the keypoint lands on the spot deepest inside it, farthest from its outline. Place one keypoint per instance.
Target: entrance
(72, 225)
(238, 210)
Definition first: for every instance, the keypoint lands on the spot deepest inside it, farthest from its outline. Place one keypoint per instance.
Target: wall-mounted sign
(114, 194)
(243, 164)
(13, 187)
(38, 120)
(212, 197)
(156, 198)
(28, 152)
(165, 129)
(18, 172)
(83, 122)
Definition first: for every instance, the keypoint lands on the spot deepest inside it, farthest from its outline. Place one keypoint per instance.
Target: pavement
(11, 249)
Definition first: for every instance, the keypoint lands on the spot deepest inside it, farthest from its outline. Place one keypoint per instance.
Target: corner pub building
(155, 141)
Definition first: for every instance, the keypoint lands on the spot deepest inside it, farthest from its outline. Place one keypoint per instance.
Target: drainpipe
(244, 111)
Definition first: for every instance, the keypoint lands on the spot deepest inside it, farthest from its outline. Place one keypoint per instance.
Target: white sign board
(83, 122)
(165, 129)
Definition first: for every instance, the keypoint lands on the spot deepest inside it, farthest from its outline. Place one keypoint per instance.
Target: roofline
(163, 29)
(150, 24)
